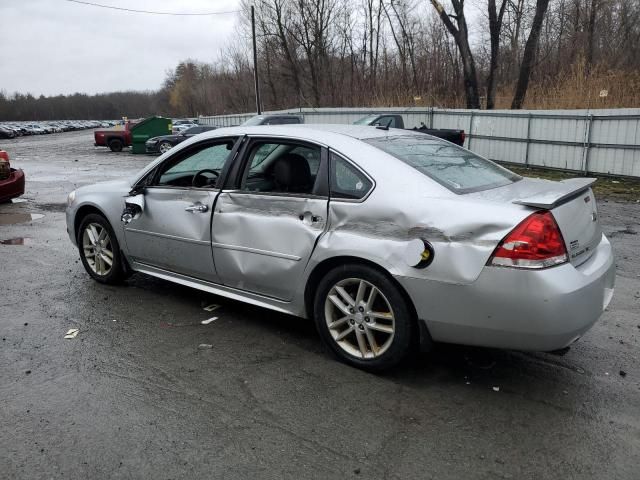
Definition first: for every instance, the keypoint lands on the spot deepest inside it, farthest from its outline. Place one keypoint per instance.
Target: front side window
(274, 167)
(347, 181)
(180, 172)
(459, 170)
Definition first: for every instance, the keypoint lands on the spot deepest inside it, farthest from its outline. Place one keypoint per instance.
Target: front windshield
(460, 170)
(366, 120)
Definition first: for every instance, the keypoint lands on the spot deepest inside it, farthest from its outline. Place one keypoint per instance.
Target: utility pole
(255, 58)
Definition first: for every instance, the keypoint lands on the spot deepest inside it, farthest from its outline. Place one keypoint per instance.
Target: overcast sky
(54, 46)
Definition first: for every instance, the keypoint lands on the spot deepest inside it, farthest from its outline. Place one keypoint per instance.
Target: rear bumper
(540, 310)
(13, 186)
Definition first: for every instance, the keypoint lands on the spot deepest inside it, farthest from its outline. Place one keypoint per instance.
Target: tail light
(535, 243)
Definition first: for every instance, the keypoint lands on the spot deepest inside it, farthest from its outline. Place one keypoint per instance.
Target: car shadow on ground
(444, 364)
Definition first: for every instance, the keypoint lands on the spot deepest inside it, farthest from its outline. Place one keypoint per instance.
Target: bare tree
(529, 56)
(461, 37)
(495, 28)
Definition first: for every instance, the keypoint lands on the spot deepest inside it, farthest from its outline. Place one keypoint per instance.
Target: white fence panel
(593, 141)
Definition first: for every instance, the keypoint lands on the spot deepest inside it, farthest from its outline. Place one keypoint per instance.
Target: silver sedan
(389, 240)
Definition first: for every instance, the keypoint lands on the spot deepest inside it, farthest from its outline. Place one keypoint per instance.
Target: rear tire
(363, 317)
(115, 145)
(99, 250)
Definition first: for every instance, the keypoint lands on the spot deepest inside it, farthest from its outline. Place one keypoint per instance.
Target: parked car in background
(273, 120)
(6, 132)
(184, 122)
(17, 131)
(396, 121)
(11, 179)
(387, 238)
(165, 143)
(35, 129)
(175, 129)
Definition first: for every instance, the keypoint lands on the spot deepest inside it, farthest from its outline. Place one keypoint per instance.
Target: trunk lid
(572, 204)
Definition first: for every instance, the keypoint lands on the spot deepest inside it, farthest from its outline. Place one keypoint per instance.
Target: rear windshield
(460, 170)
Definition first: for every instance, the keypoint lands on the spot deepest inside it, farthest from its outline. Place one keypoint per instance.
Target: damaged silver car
(389, 240)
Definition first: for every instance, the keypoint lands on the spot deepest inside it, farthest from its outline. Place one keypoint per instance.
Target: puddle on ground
(17, 241)
(13, 218)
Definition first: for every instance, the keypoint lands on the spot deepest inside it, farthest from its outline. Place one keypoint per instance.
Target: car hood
(122, 185)
(166, 137)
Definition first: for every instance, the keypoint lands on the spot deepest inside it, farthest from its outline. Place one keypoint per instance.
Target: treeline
(80, 106)
(455, 53)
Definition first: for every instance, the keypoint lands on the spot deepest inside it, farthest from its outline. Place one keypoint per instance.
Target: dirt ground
(133, 395)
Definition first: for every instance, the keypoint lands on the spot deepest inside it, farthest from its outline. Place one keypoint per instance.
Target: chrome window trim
(236, 191)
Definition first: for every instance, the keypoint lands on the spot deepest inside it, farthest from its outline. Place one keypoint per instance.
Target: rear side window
(347, 181)
(460, 170)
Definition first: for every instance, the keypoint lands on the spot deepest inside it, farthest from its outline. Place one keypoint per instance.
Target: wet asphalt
(133, 395)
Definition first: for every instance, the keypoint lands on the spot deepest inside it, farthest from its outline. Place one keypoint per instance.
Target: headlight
(71, 198)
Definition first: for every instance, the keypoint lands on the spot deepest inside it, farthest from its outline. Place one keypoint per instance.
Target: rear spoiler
(554, 193)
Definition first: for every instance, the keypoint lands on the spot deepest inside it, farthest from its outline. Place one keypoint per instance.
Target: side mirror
(133, 207)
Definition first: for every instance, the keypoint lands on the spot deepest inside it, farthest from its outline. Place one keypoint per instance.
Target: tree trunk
(461, 36)
(495, 26)
(529, 55)
(593, 13)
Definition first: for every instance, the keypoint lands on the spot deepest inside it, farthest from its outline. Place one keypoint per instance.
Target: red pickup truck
(134, 134)
(115, 139)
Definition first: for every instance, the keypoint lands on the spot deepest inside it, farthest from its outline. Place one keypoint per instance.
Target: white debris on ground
(72, 333)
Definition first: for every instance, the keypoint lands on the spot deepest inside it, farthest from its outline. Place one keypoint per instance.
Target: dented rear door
(263, 237)
(262, 243)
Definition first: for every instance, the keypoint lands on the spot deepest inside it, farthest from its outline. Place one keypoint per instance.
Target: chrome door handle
(197, 208)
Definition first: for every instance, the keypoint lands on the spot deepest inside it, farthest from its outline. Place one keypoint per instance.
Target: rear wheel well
(422, 335)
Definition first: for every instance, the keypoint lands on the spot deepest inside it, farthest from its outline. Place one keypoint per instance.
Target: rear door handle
(197, 208)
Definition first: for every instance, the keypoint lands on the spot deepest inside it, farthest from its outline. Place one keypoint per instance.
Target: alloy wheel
(97, 248)
(165, 147)
(359, 318)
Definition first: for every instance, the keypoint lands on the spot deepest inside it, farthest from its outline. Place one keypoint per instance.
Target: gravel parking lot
(133, 395)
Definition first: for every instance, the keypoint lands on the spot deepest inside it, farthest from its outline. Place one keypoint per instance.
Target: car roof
(346, 140)
(320, 133)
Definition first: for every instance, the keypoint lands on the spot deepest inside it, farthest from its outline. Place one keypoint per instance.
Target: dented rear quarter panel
(405, 205)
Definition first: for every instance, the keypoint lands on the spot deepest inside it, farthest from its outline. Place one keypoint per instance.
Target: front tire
(363, 317)
(99, 250)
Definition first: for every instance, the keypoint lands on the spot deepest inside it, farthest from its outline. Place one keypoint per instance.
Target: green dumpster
(146, 129)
